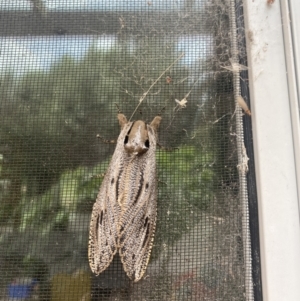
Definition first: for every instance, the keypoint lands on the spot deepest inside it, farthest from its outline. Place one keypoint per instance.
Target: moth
(124, 215)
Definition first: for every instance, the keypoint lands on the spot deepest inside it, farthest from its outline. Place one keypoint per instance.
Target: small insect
(235, 67)
(181, 104)
(242, 103)
(168, 79)
(124, 215)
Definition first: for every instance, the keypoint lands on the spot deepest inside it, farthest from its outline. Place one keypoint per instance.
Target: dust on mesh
(59, 90)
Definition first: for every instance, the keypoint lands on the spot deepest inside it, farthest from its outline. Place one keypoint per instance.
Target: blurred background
(64, 65)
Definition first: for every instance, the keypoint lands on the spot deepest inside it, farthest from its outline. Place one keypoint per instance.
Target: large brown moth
(124, 215)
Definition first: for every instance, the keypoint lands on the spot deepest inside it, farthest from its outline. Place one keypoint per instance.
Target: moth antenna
(105, 140)
(145, 94)
(119, 110)
(161, 111)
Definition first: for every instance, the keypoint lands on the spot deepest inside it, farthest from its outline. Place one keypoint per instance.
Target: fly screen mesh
(67, 68)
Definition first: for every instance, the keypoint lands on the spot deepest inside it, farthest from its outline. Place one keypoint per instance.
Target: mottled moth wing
(103, 234)
(124, 214)
(138, 210)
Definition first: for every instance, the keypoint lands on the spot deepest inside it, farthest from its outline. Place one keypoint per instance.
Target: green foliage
(192, 171)
(34, 268)
(186, 188)
(75, 191)
(52, 115)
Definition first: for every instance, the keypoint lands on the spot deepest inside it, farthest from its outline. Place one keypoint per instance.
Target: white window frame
(273, 44)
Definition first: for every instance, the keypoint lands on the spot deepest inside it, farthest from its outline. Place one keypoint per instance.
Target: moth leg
(168, 149)
(160, 181)
(119, 110)
(161, 111)
(98, 176)
(106, 141)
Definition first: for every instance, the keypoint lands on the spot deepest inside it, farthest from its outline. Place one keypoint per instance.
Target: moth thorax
(137, 140)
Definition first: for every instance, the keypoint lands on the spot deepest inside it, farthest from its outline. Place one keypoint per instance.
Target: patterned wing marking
(103, 236)
(138, 214)
(106, 213)
(136, 239)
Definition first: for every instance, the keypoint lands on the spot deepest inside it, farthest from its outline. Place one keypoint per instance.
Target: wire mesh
(65, 65)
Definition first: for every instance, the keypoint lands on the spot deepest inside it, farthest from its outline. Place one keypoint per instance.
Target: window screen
(67, 68)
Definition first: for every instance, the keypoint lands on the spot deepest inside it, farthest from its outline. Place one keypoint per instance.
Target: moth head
(137, 139)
